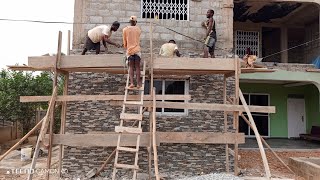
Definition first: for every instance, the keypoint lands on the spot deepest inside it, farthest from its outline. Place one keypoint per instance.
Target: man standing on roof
(131, 42)
(100, 33)
(211, 36)
(169, 49)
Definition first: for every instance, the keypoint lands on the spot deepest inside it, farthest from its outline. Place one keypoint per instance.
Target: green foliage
(14, 84)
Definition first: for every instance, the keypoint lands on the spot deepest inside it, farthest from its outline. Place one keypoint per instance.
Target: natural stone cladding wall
(183, 159)
(289, 66)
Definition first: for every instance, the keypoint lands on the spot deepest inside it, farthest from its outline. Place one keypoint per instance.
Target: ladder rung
(127, 149)
(135, 88)
(134, 103)
(126, 166)
(127, 116)
(121, 129)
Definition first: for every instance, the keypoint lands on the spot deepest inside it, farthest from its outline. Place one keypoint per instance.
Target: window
(247, 39)
(165, 9)
(261, 119)
(167, 87)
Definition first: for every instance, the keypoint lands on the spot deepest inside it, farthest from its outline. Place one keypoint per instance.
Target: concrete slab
(309, 168)
(282, 143)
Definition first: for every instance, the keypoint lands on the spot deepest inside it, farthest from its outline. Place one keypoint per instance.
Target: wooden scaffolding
(114, 64)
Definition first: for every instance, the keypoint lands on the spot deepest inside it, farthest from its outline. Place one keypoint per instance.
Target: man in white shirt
(169, 49)
(98, 34)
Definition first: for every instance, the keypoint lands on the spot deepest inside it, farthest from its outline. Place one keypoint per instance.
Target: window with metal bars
(245, 40)
(165, 9)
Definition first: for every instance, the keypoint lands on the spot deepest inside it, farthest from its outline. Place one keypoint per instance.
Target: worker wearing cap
(98, 34)
(131, 42)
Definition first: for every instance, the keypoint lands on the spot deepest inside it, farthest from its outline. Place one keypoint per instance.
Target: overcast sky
(18, 40)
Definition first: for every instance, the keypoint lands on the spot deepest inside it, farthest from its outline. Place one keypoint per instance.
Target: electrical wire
(62, 22)
(305, 43)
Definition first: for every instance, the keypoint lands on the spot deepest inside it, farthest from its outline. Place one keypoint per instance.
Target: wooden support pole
(69, 42)
(63, 121)
(22, 139)
(55, 82)
(43, 131)
(267, 145)
(150, 92)
(236, 113)
(225, 115)
(255, 130)
(154, 129)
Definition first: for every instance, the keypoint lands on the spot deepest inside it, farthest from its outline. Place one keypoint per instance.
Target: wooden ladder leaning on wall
(133, 130)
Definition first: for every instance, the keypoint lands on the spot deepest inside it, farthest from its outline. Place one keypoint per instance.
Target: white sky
(18, 40)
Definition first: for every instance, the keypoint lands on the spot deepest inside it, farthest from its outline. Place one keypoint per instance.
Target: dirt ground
(251, 162)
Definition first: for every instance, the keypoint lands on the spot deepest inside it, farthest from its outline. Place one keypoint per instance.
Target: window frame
(236, 38)
(188, 11)
(186, 92)
(257, 114)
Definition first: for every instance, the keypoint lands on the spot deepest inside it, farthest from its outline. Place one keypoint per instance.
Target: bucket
(26, 154)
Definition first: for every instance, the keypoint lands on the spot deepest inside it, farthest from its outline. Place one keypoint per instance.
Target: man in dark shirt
(211, 36)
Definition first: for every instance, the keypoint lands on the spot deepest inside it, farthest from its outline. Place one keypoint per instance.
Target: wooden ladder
(135, 131)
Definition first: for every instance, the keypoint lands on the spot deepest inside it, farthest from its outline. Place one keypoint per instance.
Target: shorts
(91, 45)
(134, 57)
(210, 43)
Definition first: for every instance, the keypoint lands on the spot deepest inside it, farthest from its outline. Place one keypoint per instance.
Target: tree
(14, 84)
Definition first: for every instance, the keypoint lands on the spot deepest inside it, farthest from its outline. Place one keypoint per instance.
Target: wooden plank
(189, 72)
(184, 63)
(121, 129)
(126, 166)
(127, 116)
(110, 139)
(78, 61)
(212, 106)
(201, 138)
(102, 98)
(103, 140)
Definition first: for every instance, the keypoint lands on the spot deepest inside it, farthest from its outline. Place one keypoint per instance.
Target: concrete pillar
(227, 13)
(78, 27)
(284, 44)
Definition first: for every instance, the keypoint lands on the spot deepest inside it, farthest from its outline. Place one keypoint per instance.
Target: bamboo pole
(267, 145)
(55, 82)
(22, 139)
(225, 115)
(154, 129)
(258, 137)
